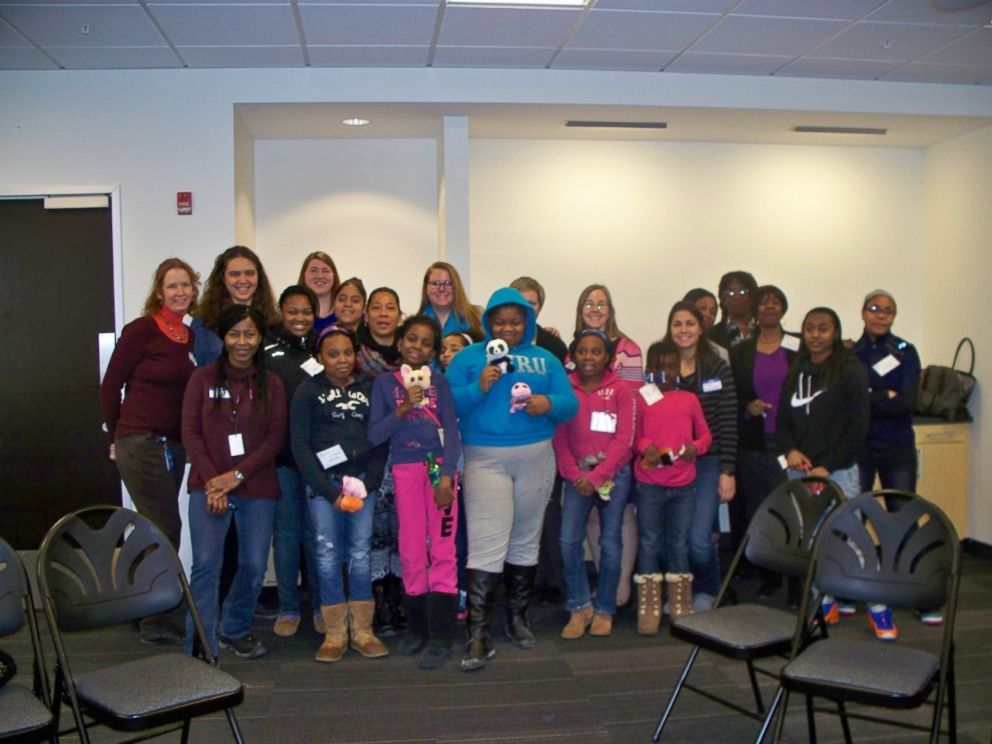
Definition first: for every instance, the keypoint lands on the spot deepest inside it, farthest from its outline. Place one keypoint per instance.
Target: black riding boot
(481, 600)
(442, 610)
(519, 586)
(416, 630)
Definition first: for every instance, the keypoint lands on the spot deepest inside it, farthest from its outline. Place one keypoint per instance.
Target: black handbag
(944, 391)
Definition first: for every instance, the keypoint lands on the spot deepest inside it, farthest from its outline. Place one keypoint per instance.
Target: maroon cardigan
(206, 427)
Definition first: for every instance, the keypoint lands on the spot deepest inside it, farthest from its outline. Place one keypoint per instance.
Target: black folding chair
(896, 548)
(104, 565)
(779, 538)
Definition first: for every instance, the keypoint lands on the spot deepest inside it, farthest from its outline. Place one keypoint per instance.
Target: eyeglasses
(881, 310)
(737, 293)
(601, 306)
(440, 283)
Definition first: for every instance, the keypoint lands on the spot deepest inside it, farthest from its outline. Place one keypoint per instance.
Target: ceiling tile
(840, 9)
(368, 56)
(767, 36)
(599, 59)
(919, 72)
(973, 49)
(675, 6)
(872, 41)
(727, 64)
(369, 24)
(306, 3)
(24, 58)
(235, 56)
(511, 57)
(61, 25)
(845, 69)
(228, 25)
(920, 11)
(114, 58)
(613, 29)
(518, 27)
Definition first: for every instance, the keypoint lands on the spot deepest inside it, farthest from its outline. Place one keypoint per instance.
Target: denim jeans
(253, 520)
(574, 516)
(846, 478)
(343, 539)
(664, 516)
(703, 556)
(292, 531)
(896, 466)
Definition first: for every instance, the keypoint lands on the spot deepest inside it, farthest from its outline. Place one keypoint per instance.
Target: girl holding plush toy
(509, 462)
(328, 420)
(415, 412)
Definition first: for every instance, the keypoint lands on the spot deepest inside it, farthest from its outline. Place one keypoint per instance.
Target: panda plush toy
(498, 355)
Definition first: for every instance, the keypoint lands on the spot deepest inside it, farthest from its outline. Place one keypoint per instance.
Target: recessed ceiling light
(356, 121)
(522, 3)
(840, 130)
(616, 124)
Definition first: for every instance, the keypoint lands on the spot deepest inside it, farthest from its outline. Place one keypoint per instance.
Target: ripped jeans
(343, 539)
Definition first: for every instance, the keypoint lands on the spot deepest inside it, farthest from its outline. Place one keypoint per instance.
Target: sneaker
(286, 625)
(247, 647)
(932, 617)
(831, 611)
(462, 605)
(703, 602)
(880, 620)
(846, 608)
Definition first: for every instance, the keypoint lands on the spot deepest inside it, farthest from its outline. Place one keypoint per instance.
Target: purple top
(770, 371)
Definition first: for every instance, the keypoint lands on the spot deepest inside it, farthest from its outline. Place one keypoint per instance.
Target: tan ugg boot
(602, 624)
(648, 603)
(679, 594)
(577, 623)
(363, 640)
(336, 632)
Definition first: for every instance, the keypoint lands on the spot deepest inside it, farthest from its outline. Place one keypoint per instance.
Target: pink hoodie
(575, 439)
(673, 421)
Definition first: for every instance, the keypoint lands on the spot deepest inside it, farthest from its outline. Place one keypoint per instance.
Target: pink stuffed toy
(417, 378)
(353, 494)
(519, 395)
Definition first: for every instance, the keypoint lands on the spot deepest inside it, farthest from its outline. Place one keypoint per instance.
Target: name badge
(237, 444)
(712, 385)
(790, 343)
(312, 367)
(650, 393)
(215, 392)
(886, 365)
(604, 422)
(331, 456)
(440, 435)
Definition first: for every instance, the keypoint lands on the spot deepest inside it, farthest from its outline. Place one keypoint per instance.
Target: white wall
(653, 220)
(958, 267)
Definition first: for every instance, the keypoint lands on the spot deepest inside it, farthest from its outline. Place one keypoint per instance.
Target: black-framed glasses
(881, 309)
(731, 293)
(440, 283)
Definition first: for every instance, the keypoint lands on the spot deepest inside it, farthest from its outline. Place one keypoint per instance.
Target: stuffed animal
(353, 494)
(519, 395)
(498, 355)
(417, 378)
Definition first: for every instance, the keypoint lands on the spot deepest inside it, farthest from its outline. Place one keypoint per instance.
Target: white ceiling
(890, 40)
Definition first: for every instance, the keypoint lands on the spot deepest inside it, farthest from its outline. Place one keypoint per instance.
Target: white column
(452, 202)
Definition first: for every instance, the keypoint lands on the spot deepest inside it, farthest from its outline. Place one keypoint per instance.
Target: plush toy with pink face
(519, 395)
(417, 378)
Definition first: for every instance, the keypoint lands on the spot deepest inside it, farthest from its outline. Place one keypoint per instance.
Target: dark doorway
(58, 272)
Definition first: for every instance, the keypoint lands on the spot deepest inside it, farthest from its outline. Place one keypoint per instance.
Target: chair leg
(675, 693)
(770, 715)
(810, 719)
(754, 687)
(234, 726)
(842, 710)
(780, 725)
(185, 735)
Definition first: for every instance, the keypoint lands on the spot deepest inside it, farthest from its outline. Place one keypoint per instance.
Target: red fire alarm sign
(184, 202)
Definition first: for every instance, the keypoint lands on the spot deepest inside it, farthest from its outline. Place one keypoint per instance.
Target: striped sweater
(713, 384)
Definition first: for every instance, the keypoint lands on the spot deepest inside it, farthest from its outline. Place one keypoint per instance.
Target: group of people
(303, 418)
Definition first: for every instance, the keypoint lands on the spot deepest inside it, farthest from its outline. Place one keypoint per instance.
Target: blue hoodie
(486, 420)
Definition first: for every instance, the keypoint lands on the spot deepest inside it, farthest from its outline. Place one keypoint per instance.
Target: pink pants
(427, 533)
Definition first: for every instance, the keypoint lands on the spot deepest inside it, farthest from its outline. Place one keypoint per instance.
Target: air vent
(617, 124)
(840, 130)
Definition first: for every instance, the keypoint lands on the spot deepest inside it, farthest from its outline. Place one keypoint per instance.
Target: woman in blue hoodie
(510, 396)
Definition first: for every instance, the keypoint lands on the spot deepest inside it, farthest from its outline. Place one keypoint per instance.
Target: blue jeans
(703, 556)
(343, 538)
(293, 529)
(896, 466)
(663, 518)
(253, 519)
(575, 510)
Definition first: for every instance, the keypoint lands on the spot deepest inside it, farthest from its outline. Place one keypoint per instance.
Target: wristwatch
(239, 475)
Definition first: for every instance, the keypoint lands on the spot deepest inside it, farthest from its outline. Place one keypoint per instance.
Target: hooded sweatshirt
(486, 420)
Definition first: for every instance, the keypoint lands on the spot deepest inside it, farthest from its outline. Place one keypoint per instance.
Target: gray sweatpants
(506, 492)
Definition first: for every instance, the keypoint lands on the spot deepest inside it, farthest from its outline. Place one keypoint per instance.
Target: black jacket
(285, 354)
(750, 430)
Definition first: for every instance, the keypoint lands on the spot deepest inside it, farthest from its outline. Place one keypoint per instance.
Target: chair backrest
(104, 565)
(13, 586)
(891, 547)
(783, 531)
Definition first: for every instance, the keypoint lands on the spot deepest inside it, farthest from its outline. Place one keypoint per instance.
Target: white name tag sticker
(219, 393)
(886, 365)
(783, 462)
(440, 435)
(237, 444)
(790, 343)
(331, 456)
(650, 393)
(312, 367)
(712, 385)
(604, 422)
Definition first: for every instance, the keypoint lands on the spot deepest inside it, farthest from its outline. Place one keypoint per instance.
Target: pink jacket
(613, 399)
(673, 421)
